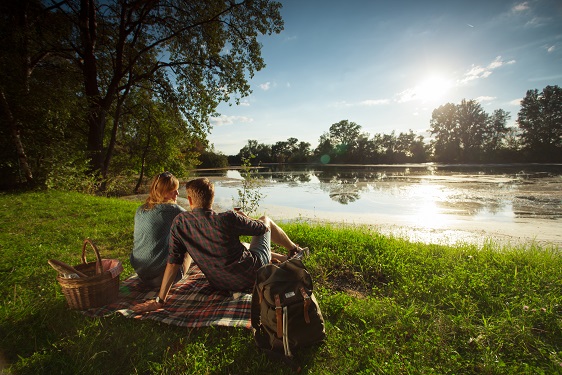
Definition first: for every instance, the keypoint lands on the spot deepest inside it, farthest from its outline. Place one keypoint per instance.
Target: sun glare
(432, 88)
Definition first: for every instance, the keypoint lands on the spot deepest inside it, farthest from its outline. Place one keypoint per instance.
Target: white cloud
(482, 99)
(373, 102)
(479, 72)
(229, 120)
(406, 95)
(536, 22)
(496, 63)
(516, 101)
(364, 103)
(265, 86)
(520, 7)
(475, 72)
(550, 49)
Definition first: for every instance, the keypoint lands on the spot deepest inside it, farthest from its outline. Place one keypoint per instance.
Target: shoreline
(456, 230)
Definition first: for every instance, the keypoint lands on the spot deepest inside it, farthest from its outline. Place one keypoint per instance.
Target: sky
(386, 65)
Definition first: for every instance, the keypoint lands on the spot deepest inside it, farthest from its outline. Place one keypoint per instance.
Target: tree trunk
(143, 160)
(96, 112)
(16, 138)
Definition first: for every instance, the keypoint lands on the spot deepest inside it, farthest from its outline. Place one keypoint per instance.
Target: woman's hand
(147, 306)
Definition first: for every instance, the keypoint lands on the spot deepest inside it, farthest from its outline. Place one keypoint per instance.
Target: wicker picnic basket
(99, 288)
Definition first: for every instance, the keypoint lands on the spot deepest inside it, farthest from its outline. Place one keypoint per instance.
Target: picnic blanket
(192, 302)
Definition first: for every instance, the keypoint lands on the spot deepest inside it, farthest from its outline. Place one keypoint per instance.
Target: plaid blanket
(191, 303)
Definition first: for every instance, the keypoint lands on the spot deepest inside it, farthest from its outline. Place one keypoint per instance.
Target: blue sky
(386, 65)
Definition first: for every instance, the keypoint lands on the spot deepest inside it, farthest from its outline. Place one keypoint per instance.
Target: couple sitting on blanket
(167, 238)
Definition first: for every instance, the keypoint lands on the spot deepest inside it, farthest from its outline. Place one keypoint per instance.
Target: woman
(152, 229)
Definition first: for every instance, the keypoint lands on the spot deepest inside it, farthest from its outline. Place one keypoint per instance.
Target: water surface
(419, 196)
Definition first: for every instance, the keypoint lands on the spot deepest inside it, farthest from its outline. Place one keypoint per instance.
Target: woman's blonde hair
(162, 184)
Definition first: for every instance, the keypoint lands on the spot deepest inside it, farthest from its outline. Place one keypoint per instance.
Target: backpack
(285, 314)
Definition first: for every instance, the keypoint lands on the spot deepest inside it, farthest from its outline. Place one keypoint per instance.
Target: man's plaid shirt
(213, 241)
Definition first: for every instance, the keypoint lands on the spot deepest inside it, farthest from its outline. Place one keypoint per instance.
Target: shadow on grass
(54, 339)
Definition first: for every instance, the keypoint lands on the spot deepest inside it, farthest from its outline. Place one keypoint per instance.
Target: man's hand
(146, 306)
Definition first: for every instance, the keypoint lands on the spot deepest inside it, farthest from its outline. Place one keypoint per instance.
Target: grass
(391, 306)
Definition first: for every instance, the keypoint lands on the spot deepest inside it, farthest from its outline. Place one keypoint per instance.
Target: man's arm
(251, 227)
(170, 274)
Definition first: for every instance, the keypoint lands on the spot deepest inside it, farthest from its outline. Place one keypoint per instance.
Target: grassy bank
(391, 307)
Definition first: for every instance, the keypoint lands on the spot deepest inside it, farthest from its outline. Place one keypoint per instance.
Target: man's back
(213, 241)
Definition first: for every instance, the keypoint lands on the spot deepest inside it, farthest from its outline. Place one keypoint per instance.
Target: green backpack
(285, 314)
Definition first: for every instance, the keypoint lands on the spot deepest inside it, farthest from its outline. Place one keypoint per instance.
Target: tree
(325, 150)
(340, 143)
(409, 148)
(344, 135)
(495, 141)
(540, 120)
(281, 151)
(364, 150)
(212, 159)
(254, 150)
(301, 153)
(461, 131)
(472, 124)
(443, 127)
(192, 53)
(154, 137)
(388, 147)
(29, 98)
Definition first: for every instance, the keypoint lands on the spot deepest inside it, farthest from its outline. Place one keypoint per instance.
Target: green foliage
(466, 133)
(249, 195)
(391, 306)
(71, 173)
(212, 159)
(138, 88)
(155, 137)
(192, 54)
(540, 119)
(40, 107)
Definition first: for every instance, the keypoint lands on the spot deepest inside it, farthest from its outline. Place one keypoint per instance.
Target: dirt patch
(354, 283)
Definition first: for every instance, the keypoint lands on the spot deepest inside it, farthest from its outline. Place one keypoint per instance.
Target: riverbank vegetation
(391, 306)
(104, 95)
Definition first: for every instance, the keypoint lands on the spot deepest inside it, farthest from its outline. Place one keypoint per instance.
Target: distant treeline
(460, 133)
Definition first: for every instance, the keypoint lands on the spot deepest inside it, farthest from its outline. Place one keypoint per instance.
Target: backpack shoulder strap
(279, 316)
(255, 310)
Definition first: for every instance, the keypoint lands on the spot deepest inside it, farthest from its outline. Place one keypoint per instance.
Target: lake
(432, 203)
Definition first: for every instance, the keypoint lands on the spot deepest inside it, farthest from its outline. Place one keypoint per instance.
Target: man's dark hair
(201, 191)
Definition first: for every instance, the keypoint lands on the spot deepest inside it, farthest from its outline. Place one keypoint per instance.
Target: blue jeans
(260, 247)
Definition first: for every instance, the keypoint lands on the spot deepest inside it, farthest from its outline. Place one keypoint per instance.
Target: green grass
(391, 306)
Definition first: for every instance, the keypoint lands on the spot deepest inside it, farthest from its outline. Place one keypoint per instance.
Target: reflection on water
(427, 194)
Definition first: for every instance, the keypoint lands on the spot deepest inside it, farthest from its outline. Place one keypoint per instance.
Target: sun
(432, 88)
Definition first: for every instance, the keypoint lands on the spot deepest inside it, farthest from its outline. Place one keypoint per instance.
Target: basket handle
(99, 268)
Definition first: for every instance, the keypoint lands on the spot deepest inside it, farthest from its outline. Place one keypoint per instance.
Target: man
(212, 241)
